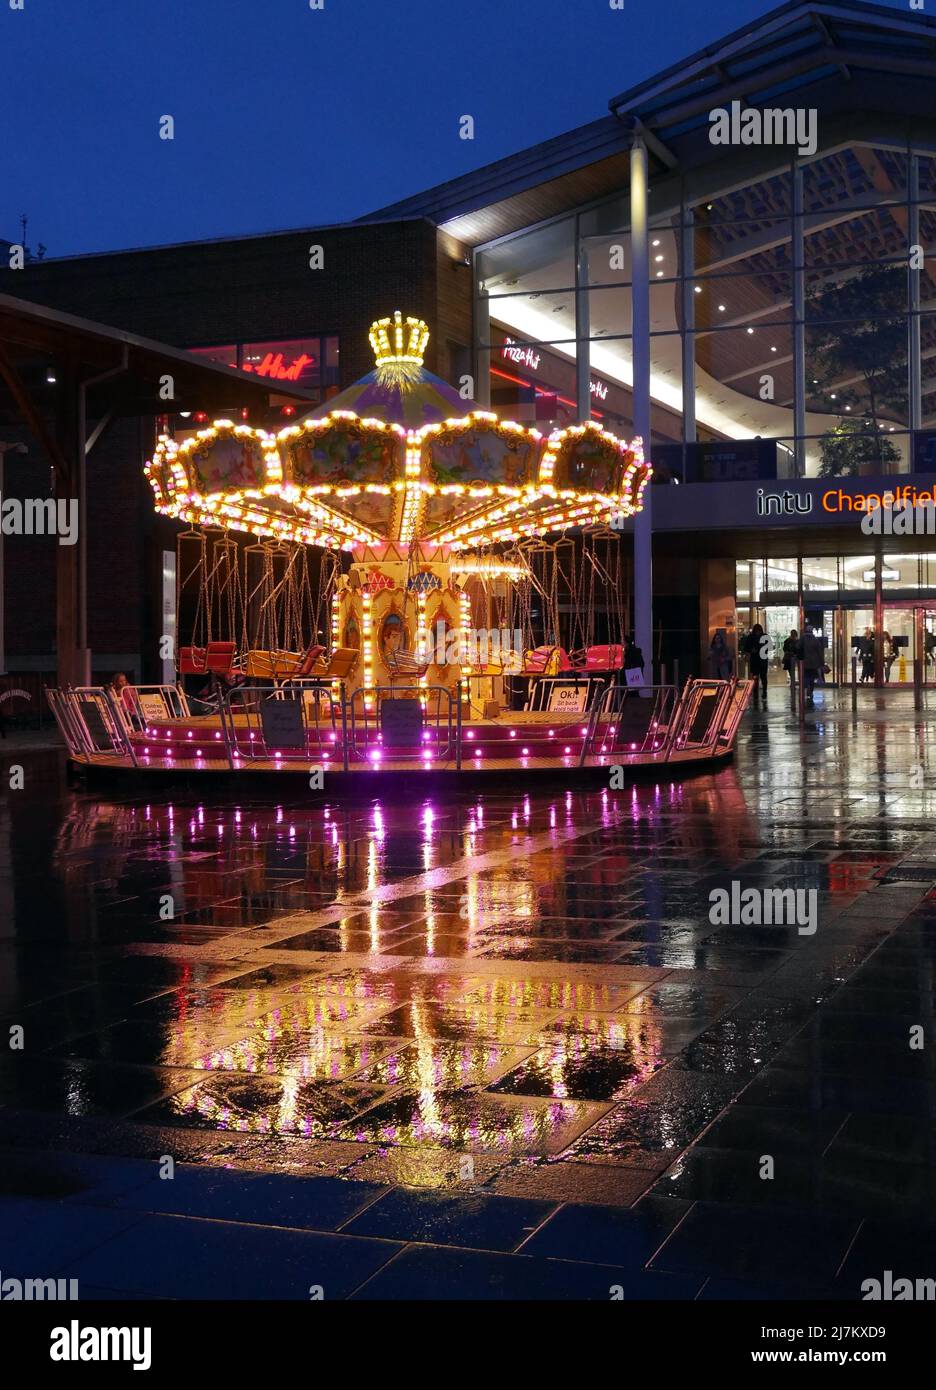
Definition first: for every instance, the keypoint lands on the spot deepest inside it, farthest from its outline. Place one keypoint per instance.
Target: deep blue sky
(288, 117)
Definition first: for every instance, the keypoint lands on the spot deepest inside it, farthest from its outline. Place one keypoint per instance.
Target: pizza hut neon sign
(274, 366)
(528, 357)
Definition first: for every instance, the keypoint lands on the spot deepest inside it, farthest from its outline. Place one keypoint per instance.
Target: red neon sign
(273, 365)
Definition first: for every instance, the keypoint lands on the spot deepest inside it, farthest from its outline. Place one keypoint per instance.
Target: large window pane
(744, 381)
(860, 176)
(543, 259)
(720, 246)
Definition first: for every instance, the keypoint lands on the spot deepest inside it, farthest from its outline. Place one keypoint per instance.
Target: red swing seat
(192, 661)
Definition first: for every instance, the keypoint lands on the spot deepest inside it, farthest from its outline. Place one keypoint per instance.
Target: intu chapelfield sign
(836, 501)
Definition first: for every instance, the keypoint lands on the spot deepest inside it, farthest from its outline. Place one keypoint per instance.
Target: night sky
(289, 117)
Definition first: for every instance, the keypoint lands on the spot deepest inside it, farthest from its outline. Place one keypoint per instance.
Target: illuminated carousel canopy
(399, 390)
(344, 480)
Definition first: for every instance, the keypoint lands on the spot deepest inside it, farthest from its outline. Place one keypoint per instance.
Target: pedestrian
(125, 695)
(889, 653)
(633, 660)
(720, 656)
(866, 651)
(756, 648)
(810, 653)
(789, 655)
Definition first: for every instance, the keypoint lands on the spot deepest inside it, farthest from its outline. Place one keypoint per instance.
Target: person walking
(756, 648)
(889, 653)
(810, 653)
(789, 655)
(720, 656)
(866, 651)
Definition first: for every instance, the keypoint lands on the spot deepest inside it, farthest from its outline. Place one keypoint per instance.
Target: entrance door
(926, 642)
(899, 644)
(855, 624)
(824, 623)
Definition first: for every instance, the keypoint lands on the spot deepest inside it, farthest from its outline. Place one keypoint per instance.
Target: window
(309, 363)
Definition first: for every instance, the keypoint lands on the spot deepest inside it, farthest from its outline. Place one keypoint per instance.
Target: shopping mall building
(738, 260)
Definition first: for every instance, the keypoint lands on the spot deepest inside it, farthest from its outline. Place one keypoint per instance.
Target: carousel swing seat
(403, 664)
(192, 661)
(282, 665)
(214, 659)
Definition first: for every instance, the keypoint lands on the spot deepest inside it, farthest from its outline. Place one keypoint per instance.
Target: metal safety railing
(91, 722)
(545, 693)
(386, 723)
(306, 722)
(148, 704)
(631, 723)
(296, 721)
(668, 726)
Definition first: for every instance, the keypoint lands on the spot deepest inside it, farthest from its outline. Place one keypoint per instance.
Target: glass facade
(845, 599)
(836, 386)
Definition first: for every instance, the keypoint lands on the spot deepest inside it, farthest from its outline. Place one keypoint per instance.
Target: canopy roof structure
(340, 480)
(399, 389)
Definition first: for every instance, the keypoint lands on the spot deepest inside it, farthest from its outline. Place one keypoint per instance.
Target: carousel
(399, 583)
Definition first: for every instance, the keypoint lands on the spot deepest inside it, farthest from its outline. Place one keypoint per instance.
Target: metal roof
(821, 51)
(831, 55)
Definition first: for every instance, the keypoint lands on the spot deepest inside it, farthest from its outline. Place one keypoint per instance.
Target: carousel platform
(327, 739)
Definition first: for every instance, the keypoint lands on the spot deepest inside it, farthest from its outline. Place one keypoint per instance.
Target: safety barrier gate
(666, 726)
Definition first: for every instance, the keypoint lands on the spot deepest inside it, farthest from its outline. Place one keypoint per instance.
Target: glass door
(857, 625)
(820, 620)
(898, 644)
(926, 642)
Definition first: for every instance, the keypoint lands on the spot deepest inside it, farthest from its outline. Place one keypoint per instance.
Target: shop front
(847, 600)
(809, 564)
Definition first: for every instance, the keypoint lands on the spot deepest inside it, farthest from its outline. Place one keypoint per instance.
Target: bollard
(801, 683)
(854, 666)
(917, 683)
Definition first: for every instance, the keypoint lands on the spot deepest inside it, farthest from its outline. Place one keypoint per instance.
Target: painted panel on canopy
(228, 463)
(480, 452)
(344, 452)
(589, 462)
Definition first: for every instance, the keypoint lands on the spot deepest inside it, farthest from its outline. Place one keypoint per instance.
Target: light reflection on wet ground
(532, 981)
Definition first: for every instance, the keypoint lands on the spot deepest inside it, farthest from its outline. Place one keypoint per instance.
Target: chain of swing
(276, 596)
(573, 591)
(272, 596)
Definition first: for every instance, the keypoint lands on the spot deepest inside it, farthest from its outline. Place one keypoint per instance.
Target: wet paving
(479, 1046)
